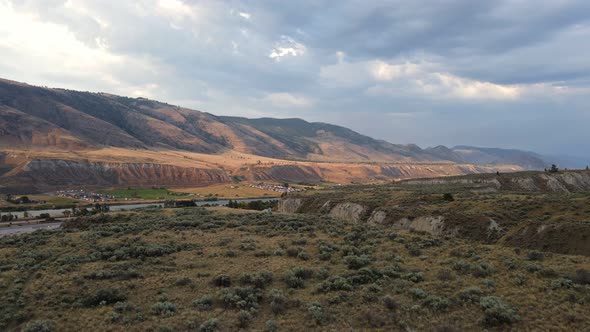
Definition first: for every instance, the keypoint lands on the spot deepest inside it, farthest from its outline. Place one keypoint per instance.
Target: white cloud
(245, 15)
(38, 52)
(427, 81)
(381, 78)
(287, 46)
(287, 100)
(383, 71)
(177, 8)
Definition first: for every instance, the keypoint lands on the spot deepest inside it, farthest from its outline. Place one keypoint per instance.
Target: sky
(505, 73)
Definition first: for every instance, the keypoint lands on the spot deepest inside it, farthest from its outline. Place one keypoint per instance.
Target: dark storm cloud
(462, 71)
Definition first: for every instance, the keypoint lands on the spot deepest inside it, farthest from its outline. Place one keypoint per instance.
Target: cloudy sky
(505, 73)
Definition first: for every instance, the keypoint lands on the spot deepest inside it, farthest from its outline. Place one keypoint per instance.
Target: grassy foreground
(194, 269)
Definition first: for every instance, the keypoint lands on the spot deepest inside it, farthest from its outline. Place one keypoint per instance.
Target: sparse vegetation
(169, 270)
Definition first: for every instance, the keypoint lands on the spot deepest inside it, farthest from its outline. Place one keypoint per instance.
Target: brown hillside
(50, 138)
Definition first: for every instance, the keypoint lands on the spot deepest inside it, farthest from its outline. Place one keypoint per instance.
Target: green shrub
(436, 302)
(414, 277)
(241, 297)
(293, 281)
(183, 282)
(497, 312)
(222, 280)
(581, 277)
(258, 280)
(104, 296)
(356, 262)
(244, 318)
(414, 249)
(121, 307)
(326, 251)
(364, 276)
(271, 326)
(562, 283)
(471, 294)
(462, 267)
(532, 267)
(482, 270)
(317, 313)
(164, 308)
(209, 325)
(297, 276)
(445, 275)
(205, 303)
(418, 293)
(335, 284)
(39, 326)
(510, 263)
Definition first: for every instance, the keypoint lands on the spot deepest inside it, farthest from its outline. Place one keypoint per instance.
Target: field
(230, 191)
(144, 193)
(46, 202)
(54, 200)
(219, 191)
(195, 269)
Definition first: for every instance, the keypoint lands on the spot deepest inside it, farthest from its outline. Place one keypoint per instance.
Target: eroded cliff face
(46, 174)
(289, 205)
(286, 173)
(35, 170)
(562, 182)
(549, 221)
(348, 211)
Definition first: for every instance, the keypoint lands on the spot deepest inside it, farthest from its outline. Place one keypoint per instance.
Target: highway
(27, 228)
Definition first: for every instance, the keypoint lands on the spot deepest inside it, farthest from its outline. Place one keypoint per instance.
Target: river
(59, 212)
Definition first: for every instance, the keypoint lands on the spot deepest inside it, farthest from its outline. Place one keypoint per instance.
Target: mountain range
(56, 137)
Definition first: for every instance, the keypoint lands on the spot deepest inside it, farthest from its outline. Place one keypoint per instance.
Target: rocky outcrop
(377, 217)
(348, 211)
(289, 205)
(561, 182)
(429, 224)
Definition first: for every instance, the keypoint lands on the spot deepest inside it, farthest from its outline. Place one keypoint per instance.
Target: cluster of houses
(274, 187)
(85, 196)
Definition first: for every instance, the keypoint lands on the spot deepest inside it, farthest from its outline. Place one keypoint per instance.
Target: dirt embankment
(561, 182)
(572, 238)
(547, 222)
(48, 174)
